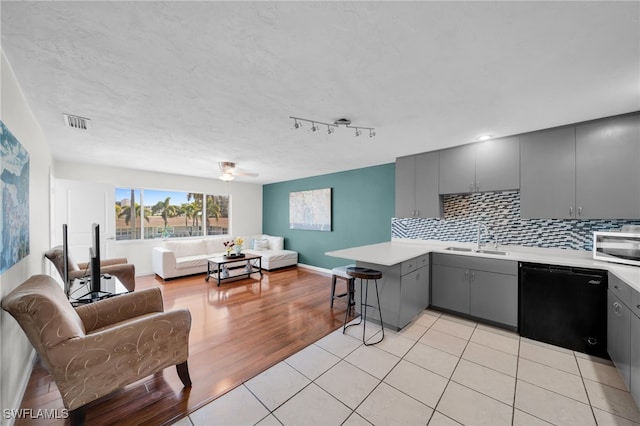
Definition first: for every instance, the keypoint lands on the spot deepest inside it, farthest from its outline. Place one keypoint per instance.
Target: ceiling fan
(229, 171)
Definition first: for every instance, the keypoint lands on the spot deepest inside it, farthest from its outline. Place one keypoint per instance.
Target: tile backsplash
(500, 212)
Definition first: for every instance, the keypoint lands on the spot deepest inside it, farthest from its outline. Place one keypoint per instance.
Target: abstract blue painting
(14, 197)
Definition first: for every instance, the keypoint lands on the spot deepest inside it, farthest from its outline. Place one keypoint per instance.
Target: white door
(79, 205)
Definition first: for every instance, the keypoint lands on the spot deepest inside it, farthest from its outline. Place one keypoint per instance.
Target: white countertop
(399, 250)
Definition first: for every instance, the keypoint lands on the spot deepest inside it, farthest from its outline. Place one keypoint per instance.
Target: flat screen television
(94, 259)
(65, 258)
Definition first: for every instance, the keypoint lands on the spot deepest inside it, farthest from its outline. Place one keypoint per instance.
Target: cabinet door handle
(473, 276)
(570, 211)
(477, 185)
(466, 275)
(616, 308)
(616, 287)
(580, 211)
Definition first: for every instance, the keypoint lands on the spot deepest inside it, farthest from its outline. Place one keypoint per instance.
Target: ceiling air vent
(75, 122)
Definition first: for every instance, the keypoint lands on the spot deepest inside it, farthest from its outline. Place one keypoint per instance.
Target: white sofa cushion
(186, 247)
(216, 245)
(191, 261)
(275, 243)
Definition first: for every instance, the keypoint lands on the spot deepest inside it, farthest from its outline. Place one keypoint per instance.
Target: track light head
(372, 133)
(329, 130)
(358, 132)
(314, 128)
(296, 125)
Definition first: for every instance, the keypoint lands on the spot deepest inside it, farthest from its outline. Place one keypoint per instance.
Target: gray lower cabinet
(634, 385)
(619, 335)
(494, 297)
(484, 288)
(450, 288)
(403, 289)
(623, 332)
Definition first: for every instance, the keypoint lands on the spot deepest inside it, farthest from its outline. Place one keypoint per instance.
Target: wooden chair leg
(76, 417)
(183, 373)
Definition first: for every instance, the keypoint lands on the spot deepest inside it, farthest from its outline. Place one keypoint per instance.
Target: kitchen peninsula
(404, 287)
(405, 265)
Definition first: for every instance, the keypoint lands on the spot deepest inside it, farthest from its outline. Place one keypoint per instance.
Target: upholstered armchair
(97, 348)
(118, 267)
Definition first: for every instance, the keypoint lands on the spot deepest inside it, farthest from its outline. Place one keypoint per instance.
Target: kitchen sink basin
(499, 252)
(483, 251)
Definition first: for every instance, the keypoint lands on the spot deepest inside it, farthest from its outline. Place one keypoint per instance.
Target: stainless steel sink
(482, 251)
(498, 252)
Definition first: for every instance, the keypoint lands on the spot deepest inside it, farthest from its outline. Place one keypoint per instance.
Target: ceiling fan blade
(243, 173)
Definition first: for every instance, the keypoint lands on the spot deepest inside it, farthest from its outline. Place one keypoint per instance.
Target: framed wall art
(310, 210)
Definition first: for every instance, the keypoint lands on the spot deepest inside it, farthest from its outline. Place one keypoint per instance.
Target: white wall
(75, 182)
(16, 353)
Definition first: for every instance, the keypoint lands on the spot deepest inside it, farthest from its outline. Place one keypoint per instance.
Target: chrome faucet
(481, 226)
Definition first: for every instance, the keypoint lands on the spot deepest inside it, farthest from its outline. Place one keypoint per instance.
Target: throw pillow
(260, 245)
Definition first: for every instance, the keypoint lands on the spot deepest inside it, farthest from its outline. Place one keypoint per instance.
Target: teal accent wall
(363, 203)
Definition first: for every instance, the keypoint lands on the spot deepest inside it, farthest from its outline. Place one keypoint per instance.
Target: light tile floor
(439, 370)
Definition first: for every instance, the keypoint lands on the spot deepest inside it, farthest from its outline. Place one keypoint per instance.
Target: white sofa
(177, 258)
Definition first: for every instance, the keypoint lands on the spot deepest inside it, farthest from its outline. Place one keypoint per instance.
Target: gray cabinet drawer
(620, 289)
(509, 267)
(411, 265)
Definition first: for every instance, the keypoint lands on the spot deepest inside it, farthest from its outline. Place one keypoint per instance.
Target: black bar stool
(365, 274)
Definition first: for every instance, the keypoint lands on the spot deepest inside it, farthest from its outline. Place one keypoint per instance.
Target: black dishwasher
(564, 306)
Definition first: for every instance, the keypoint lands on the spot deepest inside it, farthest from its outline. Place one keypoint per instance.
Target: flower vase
(224, 273)
(237, 249)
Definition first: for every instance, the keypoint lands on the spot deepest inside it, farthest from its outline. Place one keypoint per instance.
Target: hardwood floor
(238, 330)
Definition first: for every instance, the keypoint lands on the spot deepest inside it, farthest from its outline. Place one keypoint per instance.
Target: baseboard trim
(23, 387)
(315, 268)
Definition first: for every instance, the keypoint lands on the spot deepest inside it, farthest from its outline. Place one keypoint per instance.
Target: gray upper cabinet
(417, 186)
(608, 168)
(458, 169)
(406, 186)
(547, 174)
(498, 164)
(587, 171)
(486, 166)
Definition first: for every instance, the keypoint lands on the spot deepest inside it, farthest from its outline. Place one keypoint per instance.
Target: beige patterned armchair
(118, 267)
(97, 348)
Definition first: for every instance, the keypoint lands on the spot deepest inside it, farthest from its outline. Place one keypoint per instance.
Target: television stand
(81, 291)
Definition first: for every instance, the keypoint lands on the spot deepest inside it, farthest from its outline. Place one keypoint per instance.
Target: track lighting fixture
(331, 127)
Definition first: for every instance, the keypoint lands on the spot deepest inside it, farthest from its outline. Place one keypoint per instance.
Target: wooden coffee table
(215, 264)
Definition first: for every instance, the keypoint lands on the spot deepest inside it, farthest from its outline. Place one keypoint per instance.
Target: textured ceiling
(179, 86)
